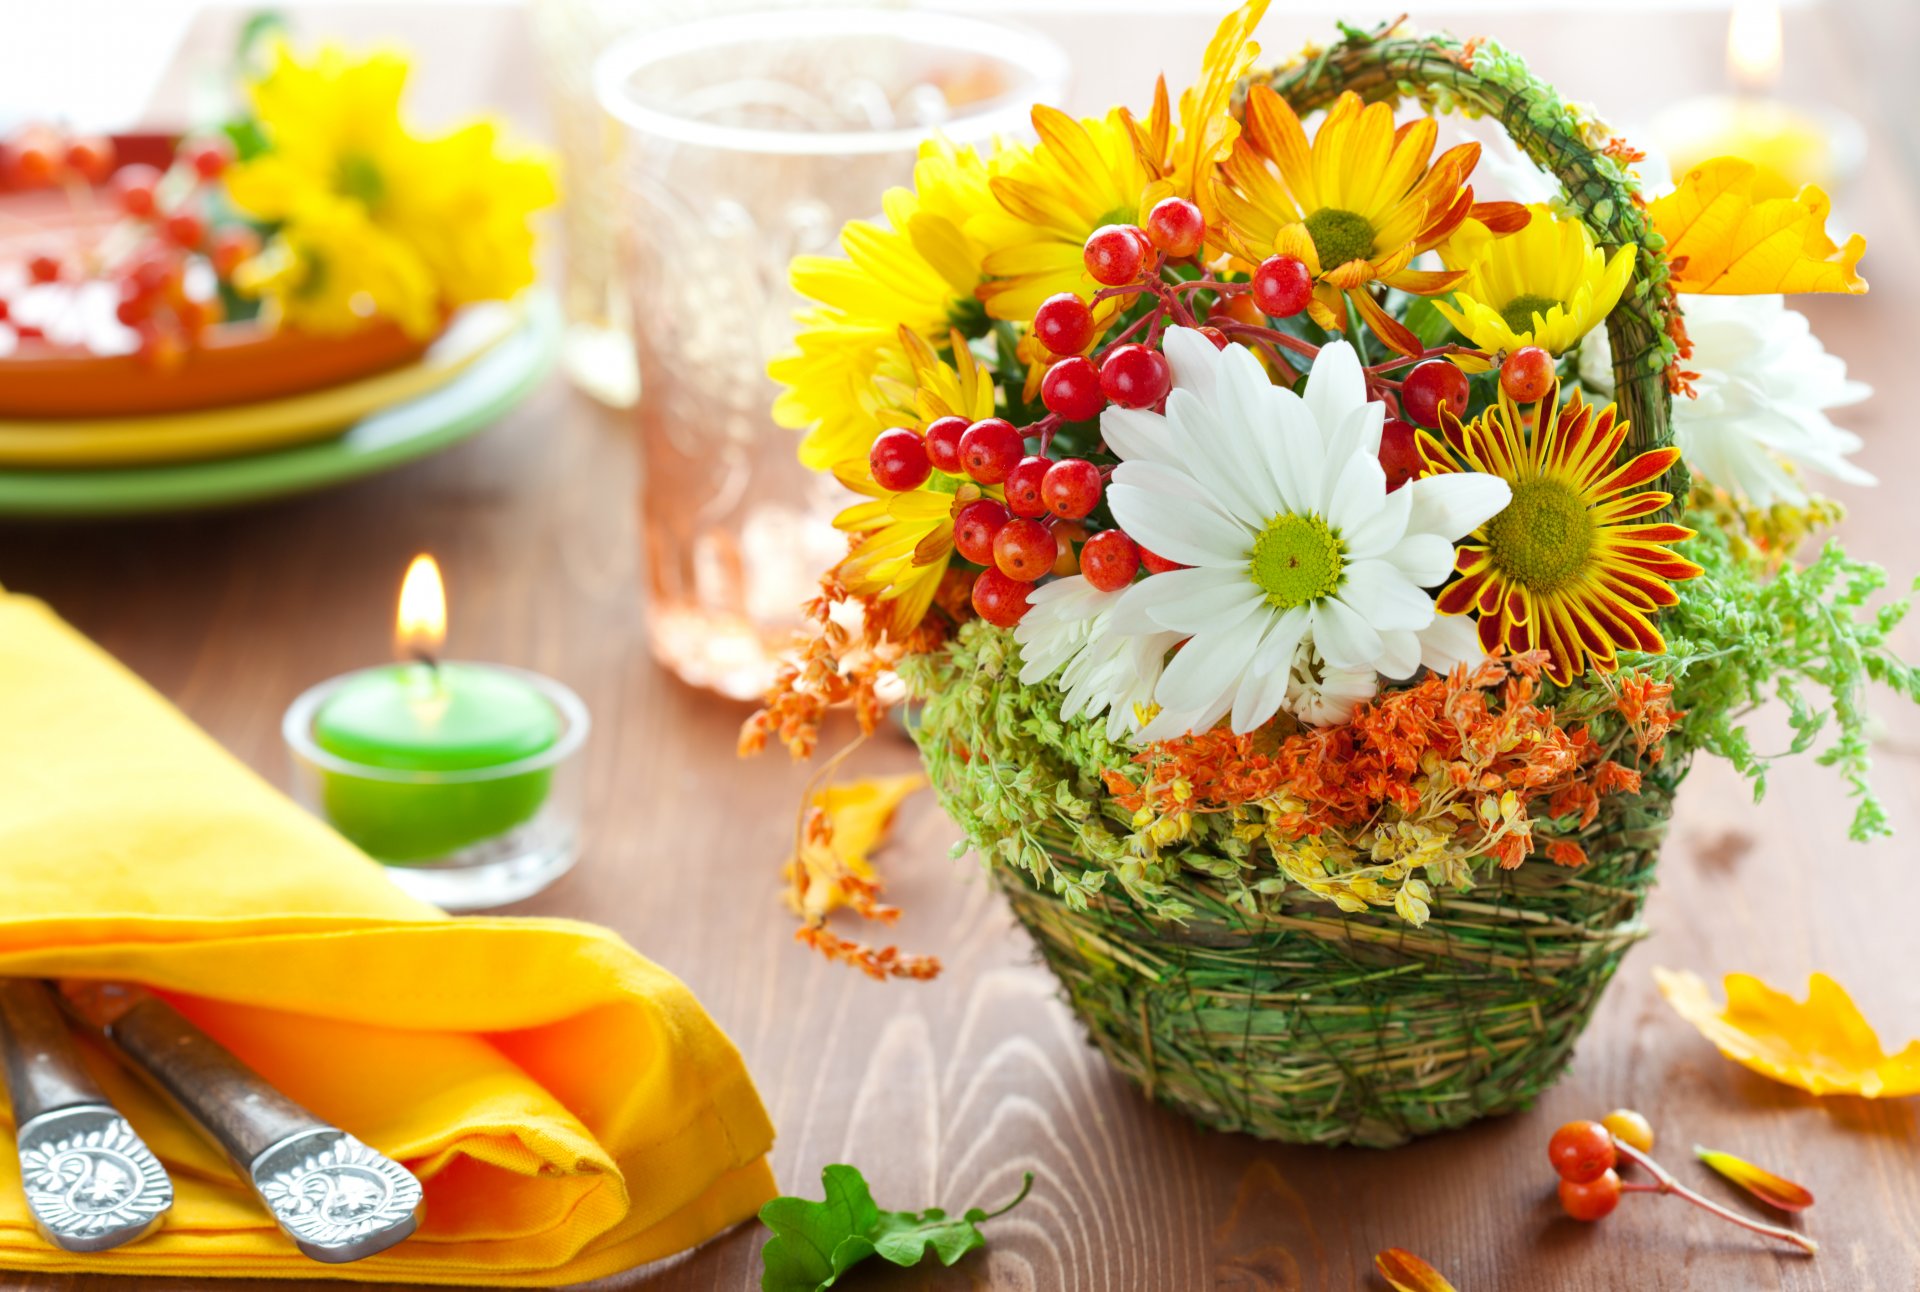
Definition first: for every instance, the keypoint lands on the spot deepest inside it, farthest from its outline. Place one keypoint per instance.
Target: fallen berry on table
(1581, 1151)
(1630, 1128)
(1590, 1199)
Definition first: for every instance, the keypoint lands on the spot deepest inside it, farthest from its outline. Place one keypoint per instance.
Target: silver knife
(91, 1183)
(336, 1198)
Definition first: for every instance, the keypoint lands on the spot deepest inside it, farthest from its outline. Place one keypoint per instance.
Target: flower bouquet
(1293, 551)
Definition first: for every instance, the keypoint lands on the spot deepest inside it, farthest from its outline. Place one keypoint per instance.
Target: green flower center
(1296, 560)
(1339, 236)
(1544, 537)
(356, 176)
(1521, 309)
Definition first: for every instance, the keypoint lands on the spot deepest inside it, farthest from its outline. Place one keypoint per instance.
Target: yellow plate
(255, 428)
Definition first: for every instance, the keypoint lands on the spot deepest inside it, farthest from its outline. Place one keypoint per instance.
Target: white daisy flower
(1067, 627)
(1319, 694)
(1760, 401)
(1279, 504)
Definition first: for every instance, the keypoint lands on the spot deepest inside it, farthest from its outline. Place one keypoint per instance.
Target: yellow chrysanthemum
(1567, 567)
(374, 219)
(909, 536)
(917, 268)
(1105, 170)
(1357, 204)
(1547, 285)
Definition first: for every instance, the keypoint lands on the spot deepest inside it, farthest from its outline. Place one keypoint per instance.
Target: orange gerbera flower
(1566, 567)
(1356, 205)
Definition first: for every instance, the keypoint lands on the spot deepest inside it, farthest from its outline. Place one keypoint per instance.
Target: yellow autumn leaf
(1822, 1045)
(844, 823)
(1405, 1272)
(1725, 240)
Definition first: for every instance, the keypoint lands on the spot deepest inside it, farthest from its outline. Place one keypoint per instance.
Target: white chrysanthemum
(1760, 401)
(1319, 694)
(1279, 504)
(1066, 627)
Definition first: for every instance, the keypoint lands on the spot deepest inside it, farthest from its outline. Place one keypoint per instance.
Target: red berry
(29, 331)
(5, 309)
(1114, 254)
(1157, 564)
(44, 268)
(197, 313)
(1063, 323)
(1024, 497)
(154, 271)
(1135, 377)
(1590, 1199)
(1109, 560)
(1071, 488)
(1282, 286)
(899, 460)
(1071, 388)
(1430, 385)
(1398, 455)
(974, 528)
(236, 244)
(185, 229)
(133, 188)
(999, 600)
(36, 158)
(990, 449)
(91, 158)
(1527, 374)
(1580, 1151)
(135, 307)
(208, 157)
(1176, 226)
(1024, 549)
(1214, 335)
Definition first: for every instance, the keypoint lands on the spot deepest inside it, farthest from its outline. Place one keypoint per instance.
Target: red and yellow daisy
(1357, 204)
(1568, 567)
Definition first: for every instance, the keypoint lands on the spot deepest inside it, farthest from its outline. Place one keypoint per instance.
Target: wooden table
(943, 1093)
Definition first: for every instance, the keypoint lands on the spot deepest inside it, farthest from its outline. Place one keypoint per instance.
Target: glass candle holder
(463, 838)
(749, 139)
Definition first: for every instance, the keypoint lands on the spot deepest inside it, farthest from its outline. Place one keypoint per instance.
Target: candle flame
(420, 624)
(1754, 47)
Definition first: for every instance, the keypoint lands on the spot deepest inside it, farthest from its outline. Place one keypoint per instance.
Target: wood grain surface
(944, 1093)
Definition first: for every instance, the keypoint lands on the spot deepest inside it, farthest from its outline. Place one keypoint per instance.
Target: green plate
(470, 402)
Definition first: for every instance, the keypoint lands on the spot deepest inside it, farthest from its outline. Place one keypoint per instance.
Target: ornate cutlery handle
(336, 1198)
(91, 1183)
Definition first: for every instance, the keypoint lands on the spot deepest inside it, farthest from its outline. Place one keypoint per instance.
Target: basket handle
(1445, 75)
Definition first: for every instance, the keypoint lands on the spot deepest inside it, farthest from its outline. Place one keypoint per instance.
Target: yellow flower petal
(1774, 1190)
(1405, 1272)
(849, 822)
(1727, 241)
(1822, 1045)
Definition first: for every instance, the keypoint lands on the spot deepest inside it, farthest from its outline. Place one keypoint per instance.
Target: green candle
(437, 722)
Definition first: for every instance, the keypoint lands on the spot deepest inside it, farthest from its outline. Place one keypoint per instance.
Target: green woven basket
(1304, 1023)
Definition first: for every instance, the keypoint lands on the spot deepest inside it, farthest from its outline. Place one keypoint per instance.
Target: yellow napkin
(570, 1106)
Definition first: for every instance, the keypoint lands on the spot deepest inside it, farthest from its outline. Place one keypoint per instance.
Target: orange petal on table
(846, 821)
(1821, 1045)
(1408, 1273)
(1774, 1190)
(1723, 240)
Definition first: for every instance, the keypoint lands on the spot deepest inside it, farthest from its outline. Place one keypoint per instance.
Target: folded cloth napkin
(570, 1106)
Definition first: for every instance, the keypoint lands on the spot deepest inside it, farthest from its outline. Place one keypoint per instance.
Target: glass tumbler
(749, 139)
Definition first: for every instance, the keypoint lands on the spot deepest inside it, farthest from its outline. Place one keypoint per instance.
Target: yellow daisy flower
(908, 540)
(1547, 285)
(1356, 205)
(917, 268)
(1567, 567)
(374, 219)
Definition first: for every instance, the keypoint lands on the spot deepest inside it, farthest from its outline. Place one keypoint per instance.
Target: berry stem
(1665, 1183)
(1286, 340)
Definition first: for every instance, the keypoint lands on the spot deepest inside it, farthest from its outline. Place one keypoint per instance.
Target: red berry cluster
(1588, 1156)
(164, 213)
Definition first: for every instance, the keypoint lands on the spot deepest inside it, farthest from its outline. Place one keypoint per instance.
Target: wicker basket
(1303, 1023)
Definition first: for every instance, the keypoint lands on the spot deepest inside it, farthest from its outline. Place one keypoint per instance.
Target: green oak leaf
(814, 1243)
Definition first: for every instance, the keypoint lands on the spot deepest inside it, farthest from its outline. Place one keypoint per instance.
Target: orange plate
(234, 363)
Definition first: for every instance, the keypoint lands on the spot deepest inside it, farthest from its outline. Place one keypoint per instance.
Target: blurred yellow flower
(373, 219)
(1725, 239)
(1822, 1045)
(1547, 285)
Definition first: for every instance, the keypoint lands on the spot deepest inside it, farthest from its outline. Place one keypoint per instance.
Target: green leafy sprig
(814, 1243)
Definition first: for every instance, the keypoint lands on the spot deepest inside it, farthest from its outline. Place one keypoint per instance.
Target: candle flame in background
(1754, 47)
(420, 624)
